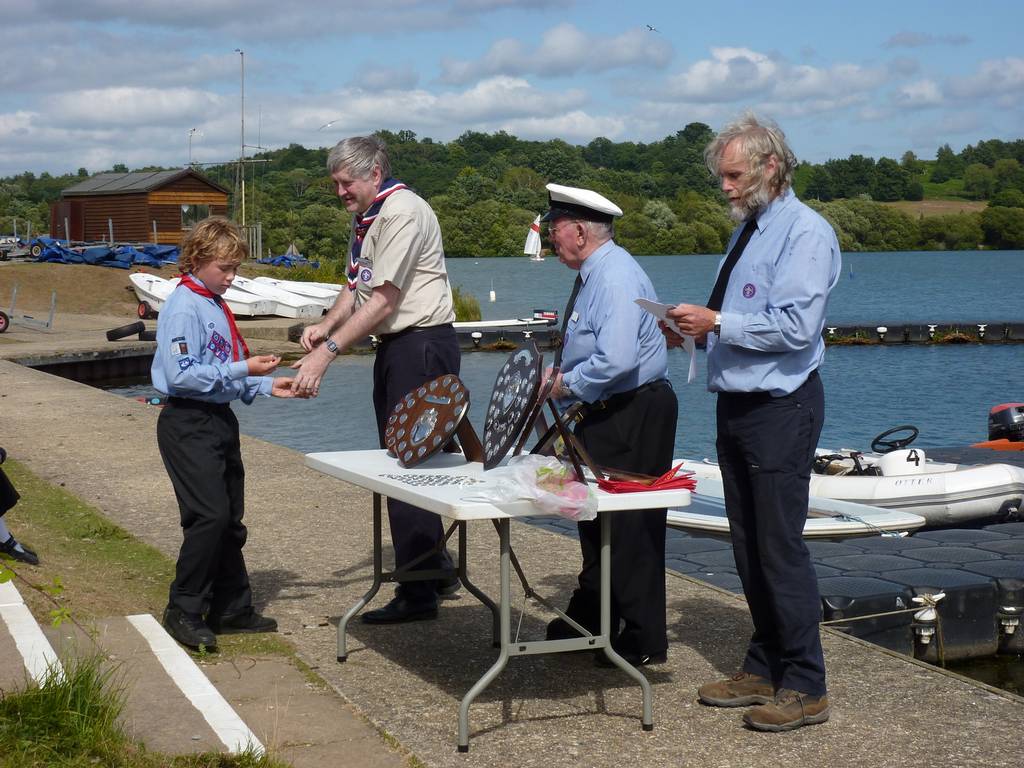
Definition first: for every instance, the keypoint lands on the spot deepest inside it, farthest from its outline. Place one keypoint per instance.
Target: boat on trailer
(826, 518)
(315, 292)
(287, 304)
(153, 291)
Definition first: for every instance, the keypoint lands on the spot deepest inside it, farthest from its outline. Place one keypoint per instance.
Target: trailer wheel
(145, 310)
(125, 330)
(5, 322)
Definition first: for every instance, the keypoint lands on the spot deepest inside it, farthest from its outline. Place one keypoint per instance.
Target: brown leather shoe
(740, 690)
(791, 709)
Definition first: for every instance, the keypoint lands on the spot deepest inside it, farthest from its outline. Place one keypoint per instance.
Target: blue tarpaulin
(119, 257)
(288, 260)
(166, 253)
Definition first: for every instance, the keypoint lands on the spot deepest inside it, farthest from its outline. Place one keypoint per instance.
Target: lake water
(946, 390)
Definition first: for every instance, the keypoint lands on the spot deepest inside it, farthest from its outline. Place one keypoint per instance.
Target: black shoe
(633, 659)
(18, 552)
(560, 629)
(247, 622)
(399, 610)
(448, 587)
(189, 629)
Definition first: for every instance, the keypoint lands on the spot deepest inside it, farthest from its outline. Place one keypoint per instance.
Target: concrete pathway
(175, 706)
(309, 557)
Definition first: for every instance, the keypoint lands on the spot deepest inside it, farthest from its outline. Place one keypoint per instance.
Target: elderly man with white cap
(614, 360)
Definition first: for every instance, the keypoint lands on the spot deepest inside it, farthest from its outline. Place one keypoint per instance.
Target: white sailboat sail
(532, 246)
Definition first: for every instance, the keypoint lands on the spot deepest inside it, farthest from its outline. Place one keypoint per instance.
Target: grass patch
(467, 307)
(101, 569)
(951, 189)
(332, 271)
(91, 569)
(937, 207)
(71, 721)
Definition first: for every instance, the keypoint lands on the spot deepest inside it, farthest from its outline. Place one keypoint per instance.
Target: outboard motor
(1006, 422)
(906, 461)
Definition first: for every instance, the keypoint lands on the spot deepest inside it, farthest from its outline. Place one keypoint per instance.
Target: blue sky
(100, 82)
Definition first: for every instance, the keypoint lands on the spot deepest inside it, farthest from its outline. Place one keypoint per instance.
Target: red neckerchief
(236, 338)
(668, 481)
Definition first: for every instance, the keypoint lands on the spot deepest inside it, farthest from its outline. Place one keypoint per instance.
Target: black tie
(565, 318)
(718, 292)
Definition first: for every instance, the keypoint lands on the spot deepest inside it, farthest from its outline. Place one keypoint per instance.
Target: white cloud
(134, 106)
(920, 94)
(576, 127)
(563, 51)
(237, 20)
(734, 74)
(1000, 78)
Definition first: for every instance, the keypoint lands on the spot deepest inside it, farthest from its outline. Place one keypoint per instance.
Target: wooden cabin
(142, 206)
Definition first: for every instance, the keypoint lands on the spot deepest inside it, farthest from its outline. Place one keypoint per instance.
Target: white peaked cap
(580, 203)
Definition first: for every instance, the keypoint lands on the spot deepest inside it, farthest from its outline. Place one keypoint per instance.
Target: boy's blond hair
(212, 239)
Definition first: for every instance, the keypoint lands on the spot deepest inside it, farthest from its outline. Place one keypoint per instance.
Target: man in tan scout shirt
(398, 290)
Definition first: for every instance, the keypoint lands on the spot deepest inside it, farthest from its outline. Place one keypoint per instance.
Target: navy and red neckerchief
(363, 221)
(237, 342)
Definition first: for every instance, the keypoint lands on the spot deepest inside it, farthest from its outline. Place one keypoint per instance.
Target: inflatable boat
(896, 476)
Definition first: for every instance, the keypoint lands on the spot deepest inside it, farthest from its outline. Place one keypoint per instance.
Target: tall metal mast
(241, 155)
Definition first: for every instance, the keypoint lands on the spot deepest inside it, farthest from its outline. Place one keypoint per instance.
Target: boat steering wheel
(881, 445)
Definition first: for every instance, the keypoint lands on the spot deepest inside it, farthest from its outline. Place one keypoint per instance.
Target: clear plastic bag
(550, 484)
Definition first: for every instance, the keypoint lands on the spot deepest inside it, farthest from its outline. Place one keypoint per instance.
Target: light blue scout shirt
(193, 353)
(611, 345)
(773, 311)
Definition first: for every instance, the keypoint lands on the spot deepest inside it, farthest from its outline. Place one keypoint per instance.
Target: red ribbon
(670, 481)
(236, 337)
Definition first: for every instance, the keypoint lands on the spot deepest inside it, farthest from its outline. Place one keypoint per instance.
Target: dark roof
(136, 181)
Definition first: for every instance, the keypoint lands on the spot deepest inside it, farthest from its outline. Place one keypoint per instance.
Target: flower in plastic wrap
(548, 483)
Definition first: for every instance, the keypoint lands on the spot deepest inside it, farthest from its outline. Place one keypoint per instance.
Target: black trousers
(766, 449)
(8, 495)
(201, 451)
(634, 433)
(404, 362)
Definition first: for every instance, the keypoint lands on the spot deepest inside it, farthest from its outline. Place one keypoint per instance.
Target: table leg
(606, 620)
(473, 589)
(377, 569)
(505, 548)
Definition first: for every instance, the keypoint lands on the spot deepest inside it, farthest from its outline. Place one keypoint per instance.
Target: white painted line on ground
(35, 649)
(223, 719)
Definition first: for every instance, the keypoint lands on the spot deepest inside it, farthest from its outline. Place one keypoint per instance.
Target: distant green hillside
(487, 188)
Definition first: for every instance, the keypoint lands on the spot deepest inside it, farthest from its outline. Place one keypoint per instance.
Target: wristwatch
(331, 346)
(718, 323)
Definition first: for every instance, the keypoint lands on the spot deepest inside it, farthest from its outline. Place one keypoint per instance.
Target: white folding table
(449, 485)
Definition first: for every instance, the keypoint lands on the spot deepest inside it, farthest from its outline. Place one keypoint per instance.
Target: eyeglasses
(552, 231)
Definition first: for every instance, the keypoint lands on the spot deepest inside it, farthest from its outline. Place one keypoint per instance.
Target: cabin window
(193, 214)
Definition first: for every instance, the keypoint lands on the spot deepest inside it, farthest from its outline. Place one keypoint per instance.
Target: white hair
(759, 141)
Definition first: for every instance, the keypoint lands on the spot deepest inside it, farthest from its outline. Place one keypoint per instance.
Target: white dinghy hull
(827, 518)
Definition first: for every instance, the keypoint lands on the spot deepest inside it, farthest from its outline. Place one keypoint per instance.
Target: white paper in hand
(659, 310)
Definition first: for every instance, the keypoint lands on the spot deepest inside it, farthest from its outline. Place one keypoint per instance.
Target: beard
(752, 201)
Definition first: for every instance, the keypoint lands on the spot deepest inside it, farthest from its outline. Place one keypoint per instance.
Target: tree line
(487, 188)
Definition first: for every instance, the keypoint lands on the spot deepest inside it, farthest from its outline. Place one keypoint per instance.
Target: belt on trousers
(188, 402)
(412, 329)
(764, 397)
(619, 398)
